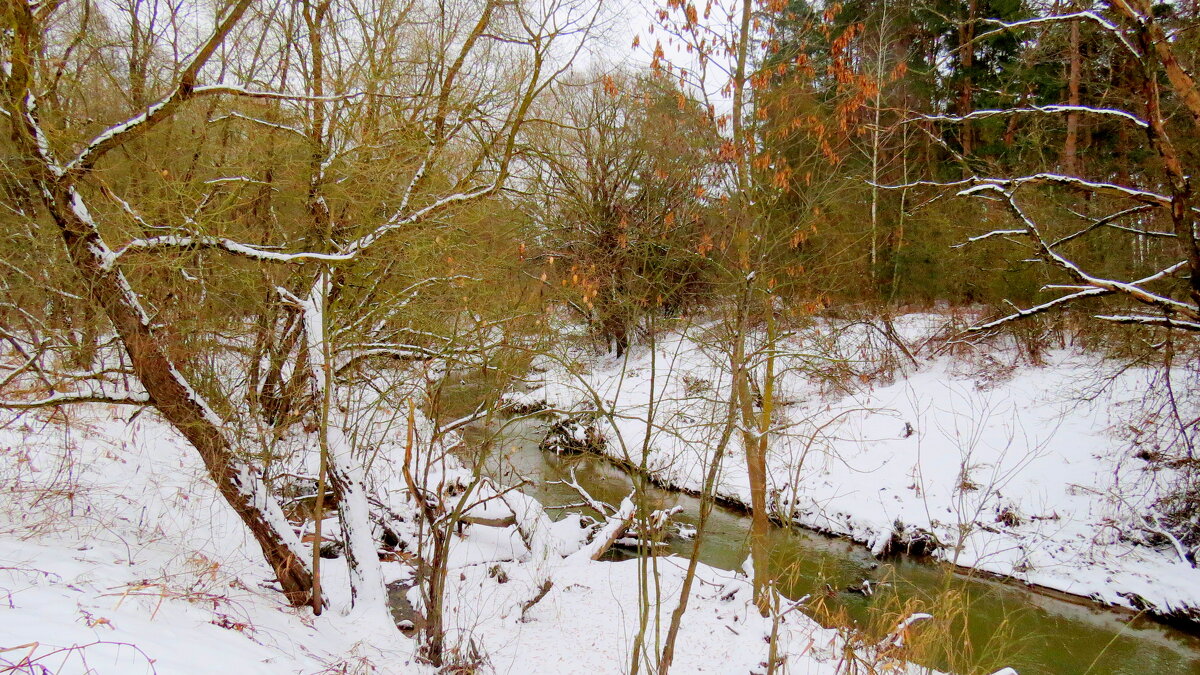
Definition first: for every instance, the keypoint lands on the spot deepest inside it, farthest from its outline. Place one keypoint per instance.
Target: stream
(1008, 624)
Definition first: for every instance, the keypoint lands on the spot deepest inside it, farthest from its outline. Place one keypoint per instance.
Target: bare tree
(449, 115)
(57, 182)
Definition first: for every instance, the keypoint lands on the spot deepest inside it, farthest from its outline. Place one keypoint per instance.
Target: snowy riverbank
(117, 555)
(1020, 470)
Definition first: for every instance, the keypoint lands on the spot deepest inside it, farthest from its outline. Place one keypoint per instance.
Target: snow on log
(614, 528)
(533, 525)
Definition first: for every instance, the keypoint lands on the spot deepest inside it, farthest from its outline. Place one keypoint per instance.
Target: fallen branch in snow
(614, 535)
(613, 530)
(660, 518)
(528, 604)
(503, 521)
(1155, 527)
(1150, 524)
(30, 664)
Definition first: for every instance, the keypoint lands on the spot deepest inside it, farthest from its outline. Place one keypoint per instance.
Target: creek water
(1007, 623)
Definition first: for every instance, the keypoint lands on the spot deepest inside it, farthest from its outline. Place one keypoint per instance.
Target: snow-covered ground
(118, 556)
(1020, 470)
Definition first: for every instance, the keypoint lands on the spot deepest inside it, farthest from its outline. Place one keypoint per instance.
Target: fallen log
(503, 521)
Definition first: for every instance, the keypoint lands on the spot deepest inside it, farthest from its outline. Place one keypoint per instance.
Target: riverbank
(981, 623)
(118, 555)
(991, 463)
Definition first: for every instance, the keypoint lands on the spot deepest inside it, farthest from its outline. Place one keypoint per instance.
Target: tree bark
(966, 60)
(173, 397)
(1070, 162)
(168, 390)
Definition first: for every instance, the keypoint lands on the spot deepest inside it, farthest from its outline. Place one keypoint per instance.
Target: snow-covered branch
(1090, 16)
(990, 235)
(122, 132)
(1044, 110)
(262, 122)
(184, 89)
(1069, 182)
(399, 221)
(898, 634)
(1039, 309)
(402, 353)
(180, 242)
(1133, 289)
(1093, 286)
(1165, 321)
(1108, 221)
(68, 399)
(976, 185)
(349, 253)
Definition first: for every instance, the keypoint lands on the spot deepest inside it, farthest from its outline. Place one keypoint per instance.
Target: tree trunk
(966, 94)
(755, 450)
(237, 481)
(170, 393)
(1069, 161)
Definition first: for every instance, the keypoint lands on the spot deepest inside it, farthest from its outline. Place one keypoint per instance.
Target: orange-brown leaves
(610, 86)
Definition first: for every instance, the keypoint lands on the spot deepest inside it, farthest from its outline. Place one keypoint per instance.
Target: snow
(118, 555)
(112, 536)
(1015, 469)
(596, 604)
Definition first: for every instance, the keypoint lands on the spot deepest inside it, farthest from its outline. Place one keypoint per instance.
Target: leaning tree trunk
(169, 392)
(238, 482)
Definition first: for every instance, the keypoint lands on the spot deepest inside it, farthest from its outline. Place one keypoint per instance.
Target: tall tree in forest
(623, 197)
